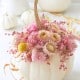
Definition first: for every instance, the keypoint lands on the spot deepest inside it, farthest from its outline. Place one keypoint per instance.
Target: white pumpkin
(43, 71)
(15, 7)
(54, 5)
(28, 17)
(8, 22)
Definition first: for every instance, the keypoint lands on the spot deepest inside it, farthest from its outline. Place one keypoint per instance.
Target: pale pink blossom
(32, 38)
(38, 56)
(31, 28)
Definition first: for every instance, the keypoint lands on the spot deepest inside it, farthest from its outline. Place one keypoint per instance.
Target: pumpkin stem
(38, 22)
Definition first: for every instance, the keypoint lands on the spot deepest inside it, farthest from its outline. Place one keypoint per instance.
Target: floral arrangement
(36, 44)
(40, 41)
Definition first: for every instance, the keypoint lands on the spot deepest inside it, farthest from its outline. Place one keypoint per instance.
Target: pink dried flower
(66, 45)
(38, 56)
(31, 28)
(20, 37)
(32, 38)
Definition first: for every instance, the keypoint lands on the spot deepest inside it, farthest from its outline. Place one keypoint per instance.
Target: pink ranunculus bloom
(67, 44)
(31, 28)
(32, 38)
(38, 56)
(71, 45)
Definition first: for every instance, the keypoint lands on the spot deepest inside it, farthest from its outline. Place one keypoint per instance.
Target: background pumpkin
(54, 5)
(15, 7)
(28, 17)
(8, 21)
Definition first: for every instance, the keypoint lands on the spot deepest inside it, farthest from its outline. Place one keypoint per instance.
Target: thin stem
(36, 14)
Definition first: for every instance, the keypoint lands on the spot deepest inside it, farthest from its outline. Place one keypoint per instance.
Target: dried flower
(32, 38)
(38, 56)
(43, 34)
(31, 28)
(49, 48)
(55, 37)
(22, 47)
(40, 44)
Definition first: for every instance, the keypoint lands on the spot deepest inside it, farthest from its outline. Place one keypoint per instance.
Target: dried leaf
(12, 65)
(14, 69)
(6, 65)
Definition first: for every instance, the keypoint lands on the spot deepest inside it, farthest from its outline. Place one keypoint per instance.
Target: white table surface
(75, 73)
